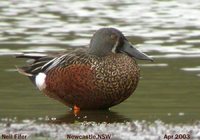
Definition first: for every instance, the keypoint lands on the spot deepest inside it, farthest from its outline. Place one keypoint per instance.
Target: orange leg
(76, 110)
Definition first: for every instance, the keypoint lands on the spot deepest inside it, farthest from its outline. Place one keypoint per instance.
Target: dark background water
(167, 30)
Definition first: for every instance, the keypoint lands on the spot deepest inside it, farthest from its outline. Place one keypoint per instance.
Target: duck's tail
(34, 65)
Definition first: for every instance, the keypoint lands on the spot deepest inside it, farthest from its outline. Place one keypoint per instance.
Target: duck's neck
(99, 48)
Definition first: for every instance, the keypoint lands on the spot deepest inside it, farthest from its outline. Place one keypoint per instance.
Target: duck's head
(110, 40)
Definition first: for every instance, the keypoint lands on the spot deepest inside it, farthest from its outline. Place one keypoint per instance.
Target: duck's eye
(113, 36)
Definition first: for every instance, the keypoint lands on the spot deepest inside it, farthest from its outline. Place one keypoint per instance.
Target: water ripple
(164, 25)
(191, 69)
(128, 130)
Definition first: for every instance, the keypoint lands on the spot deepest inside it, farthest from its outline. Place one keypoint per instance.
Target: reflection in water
(97, 116)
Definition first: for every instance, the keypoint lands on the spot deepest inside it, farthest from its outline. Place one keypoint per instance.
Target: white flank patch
(40, 81)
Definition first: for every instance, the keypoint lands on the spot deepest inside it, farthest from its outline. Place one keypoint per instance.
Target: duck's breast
(117, 77)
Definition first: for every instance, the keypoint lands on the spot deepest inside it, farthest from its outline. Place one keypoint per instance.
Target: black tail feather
(34, 66)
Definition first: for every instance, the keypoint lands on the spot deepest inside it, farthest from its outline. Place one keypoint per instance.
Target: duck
(96, 77)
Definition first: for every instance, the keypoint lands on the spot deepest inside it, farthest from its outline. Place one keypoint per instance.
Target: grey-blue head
(110, 40)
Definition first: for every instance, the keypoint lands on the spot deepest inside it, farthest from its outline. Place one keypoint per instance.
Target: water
(167, 98)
